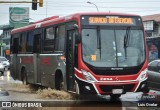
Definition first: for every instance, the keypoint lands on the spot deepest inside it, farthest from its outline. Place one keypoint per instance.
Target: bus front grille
(108, 88)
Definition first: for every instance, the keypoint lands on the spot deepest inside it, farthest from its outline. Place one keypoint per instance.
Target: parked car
(154, 75)
(5, 62)
(2, 68)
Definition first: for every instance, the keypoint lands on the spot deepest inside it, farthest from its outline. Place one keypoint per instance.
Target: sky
(66, 7)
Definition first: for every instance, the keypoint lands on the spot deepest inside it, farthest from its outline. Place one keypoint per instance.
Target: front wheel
(59, 85)
(146, 90)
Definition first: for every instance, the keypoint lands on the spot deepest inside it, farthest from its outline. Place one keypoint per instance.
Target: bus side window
(15, 45)
(36, 46)
(60, 38)
(29, 42)
(48, 44)
(22, 48)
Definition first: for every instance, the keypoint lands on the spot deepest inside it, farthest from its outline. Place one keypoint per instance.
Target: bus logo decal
(116, 68)
(45, 61)
(26, 60)
(106, 79)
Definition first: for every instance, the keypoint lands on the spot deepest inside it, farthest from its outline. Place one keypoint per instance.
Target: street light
(94, 5)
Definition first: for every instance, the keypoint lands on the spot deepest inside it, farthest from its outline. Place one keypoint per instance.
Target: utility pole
(46, 9)
(94, 5)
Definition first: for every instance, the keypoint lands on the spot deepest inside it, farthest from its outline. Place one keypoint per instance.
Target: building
(152, 29)
(5, 40)
(152, 25)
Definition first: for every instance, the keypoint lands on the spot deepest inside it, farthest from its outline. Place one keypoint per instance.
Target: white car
(2, 68)
(5, 62)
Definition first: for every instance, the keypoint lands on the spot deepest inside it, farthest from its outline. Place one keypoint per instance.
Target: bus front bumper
(105, 88)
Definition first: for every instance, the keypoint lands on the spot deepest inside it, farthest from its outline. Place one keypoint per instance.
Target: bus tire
(59, 83)
(146, 90)
(24, 77)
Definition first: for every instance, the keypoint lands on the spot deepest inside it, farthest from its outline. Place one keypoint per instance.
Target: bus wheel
(115, 96)
(62, 85)
(146, 90)
(24, 77)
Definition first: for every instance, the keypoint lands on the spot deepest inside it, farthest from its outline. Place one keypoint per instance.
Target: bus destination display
(111, 20)
(114, 20)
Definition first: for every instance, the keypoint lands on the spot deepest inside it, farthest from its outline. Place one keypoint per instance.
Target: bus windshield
(104, 47)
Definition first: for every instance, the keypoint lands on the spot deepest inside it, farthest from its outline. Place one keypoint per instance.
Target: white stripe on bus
(25, 54)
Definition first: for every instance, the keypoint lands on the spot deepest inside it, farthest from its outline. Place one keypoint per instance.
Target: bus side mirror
(77, 35)
(77, 38)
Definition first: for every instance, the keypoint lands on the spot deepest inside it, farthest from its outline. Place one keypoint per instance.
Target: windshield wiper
(99, 40)
(126, 40)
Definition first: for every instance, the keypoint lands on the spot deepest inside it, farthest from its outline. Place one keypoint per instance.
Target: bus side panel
(13, 66)
(47, 67)
(27, 61)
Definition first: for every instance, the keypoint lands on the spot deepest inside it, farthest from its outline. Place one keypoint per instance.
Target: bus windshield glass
(113, 47)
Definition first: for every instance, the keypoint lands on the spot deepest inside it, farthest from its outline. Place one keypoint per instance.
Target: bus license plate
(117, 91)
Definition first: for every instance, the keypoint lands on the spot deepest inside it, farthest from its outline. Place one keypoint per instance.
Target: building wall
(6, 39)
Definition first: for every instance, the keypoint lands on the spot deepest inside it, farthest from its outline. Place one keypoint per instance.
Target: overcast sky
(65, 7)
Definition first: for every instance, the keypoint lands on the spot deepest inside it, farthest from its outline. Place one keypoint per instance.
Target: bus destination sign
(110, 20)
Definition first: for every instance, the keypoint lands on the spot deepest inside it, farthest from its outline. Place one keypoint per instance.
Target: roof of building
(6, 27)
(155, 17)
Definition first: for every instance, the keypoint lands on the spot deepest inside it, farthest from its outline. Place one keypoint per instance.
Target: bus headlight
(143, 74)
(88, 76)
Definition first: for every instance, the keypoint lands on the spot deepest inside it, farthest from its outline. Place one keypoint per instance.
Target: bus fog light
(143, 86)
(88, 88)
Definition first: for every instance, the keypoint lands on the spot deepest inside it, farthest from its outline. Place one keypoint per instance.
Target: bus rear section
(112, 55)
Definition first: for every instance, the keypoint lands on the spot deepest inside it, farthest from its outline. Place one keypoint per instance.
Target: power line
(106, 2)
(71, 6)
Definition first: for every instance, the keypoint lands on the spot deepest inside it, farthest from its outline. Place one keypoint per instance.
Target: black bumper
(82, 87)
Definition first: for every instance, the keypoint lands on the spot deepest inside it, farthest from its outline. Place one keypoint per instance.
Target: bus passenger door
(70, 59)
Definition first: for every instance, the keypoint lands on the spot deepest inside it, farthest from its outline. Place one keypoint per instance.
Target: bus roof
(55, 19)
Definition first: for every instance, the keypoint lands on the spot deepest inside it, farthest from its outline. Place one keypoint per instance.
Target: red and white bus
(85, 53)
